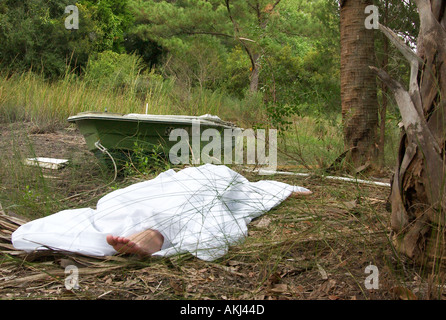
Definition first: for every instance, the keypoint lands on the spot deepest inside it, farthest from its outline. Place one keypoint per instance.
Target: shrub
(112, 70)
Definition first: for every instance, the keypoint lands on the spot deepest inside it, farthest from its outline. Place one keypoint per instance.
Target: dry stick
(377, 183)
(54, 274)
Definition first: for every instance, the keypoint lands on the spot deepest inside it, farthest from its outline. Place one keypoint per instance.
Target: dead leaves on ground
(42, 275)
(288, 255)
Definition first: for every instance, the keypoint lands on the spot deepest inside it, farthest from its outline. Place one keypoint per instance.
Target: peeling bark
(418, 196)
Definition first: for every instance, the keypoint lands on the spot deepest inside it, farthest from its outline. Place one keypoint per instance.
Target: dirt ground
(331, 245)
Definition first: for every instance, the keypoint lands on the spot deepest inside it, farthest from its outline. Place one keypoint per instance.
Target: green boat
(120, 134)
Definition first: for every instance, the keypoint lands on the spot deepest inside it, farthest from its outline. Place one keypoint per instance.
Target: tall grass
(316, 143)
(29, 97)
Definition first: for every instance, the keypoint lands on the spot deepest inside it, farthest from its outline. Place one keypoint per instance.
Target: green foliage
(237, 71)
(109, 69)
(143, 161)
(200, 64)
(201, 39)
(29, 37)
(33, 34)
(112, 20)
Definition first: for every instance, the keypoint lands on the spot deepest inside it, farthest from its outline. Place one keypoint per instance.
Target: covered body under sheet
(202, 210)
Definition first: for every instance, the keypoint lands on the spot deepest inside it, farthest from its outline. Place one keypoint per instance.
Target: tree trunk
(417, 197)
(384, 92)
(358, 83)
(255, 73)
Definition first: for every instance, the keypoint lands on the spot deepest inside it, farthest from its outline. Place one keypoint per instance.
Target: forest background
(256, 62)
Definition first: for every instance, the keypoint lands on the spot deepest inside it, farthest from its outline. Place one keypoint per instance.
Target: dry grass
(312, 247)
(28, 97)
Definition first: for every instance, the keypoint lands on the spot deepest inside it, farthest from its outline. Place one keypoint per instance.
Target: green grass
(316, 143)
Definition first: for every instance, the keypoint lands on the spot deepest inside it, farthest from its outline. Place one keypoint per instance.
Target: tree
(262, 10)
(33, 34)
(112, 20)
(27, 36)
(358, 83)
(417, 197)
(177, 25)
(402, 18)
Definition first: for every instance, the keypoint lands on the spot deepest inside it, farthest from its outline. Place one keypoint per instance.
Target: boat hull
(125, 133)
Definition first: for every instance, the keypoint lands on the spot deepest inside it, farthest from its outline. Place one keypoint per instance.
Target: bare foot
(143, 244)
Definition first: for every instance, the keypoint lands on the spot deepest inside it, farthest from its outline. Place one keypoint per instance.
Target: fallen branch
(54, 275)
(377, 183)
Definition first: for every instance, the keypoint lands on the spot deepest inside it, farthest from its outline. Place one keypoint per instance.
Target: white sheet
(202, 210)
